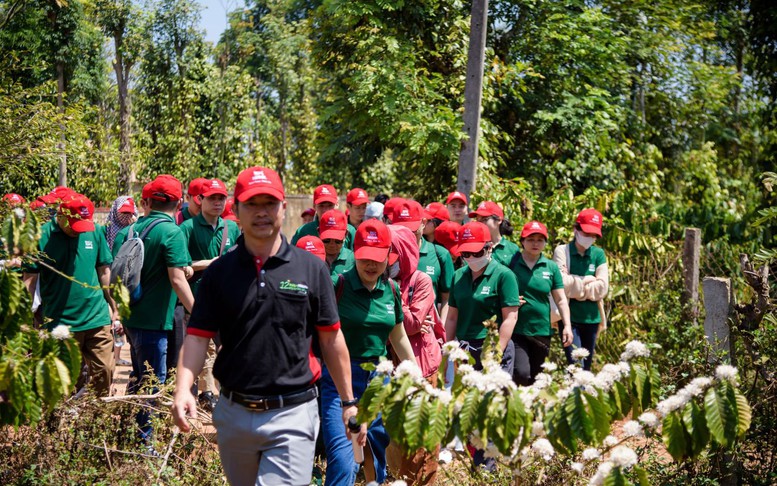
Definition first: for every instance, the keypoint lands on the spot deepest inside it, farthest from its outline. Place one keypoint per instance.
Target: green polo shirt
(535, 284)
(185, 214)
(504, 251)
(435, 261)
(311, 229)
(165, 247)
(66, 302)
(482, 299)
(344, 262)
(368, 317)
(204, 241)
(584, 311)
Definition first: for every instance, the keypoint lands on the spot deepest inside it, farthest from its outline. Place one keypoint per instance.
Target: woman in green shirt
(370, 308)
(491, 214)
(537, 277)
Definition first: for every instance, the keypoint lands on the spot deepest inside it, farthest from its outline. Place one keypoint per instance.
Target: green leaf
(368, 404)
(52, 380)
(718, 420)
(642, 476)
(638, 380)
(579, 418)
(601, 418)
(696, 426)
(616, 478)
(468, 411)
(559, 432)
(411, 423)
(675, 437)
(744, 414)
(439, 418)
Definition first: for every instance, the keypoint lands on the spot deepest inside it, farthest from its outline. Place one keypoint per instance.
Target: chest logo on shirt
(88, 245)
(592, 268)
(429, 270)
(228, 242)
(546, 275)
(390, 308)
(486, 290)
(290, 286)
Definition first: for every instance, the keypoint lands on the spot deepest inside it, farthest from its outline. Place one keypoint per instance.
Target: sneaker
(207, 401)
(123, 362)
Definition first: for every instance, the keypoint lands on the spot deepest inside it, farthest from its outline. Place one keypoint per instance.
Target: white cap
(374, 210)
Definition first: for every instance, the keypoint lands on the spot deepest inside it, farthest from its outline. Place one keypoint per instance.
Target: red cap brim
(80, 225)
(411, 225)
(592, 228)
(371, 253)
(471, 246)
(333, 234)
(323, 199)
(481, 212)
(211, 192)
(359, 201)
(256, 191)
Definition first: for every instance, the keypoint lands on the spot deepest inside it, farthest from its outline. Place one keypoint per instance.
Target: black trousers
(530, 353)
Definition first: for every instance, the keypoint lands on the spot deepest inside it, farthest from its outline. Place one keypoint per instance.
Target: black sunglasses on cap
(476, 254)
(331, 240)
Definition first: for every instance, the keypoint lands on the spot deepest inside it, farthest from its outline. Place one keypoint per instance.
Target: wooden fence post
(691, 251)
(718, 306)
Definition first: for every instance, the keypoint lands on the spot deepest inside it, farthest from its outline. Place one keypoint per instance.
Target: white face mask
(393, 271)
(478, 263)
(584, 241)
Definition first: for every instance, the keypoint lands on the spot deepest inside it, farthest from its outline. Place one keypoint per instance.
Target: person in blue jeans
(586, 282)
(370, 309)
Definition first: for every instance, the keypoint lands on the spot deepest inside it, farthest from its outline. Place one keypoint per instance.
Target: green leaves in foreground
(722, 418)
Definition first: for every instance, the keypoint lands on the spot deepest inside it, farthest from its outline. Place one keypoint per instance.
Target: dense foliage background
(660, 113)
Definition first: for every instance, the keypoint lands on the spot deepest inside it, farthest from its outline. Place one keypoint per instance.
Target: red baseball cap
(210, 187)
(308, 212)
(37, 204)
(473, 237)
(165, 188)
(13, 199)
(456, 196)
(258, 180)
(78, 210)
(325, 193)
(312, 244)
(486, 209)
(58, 194)
(332, 224)
(228, 213)
(590, 221)
(146, 192)
(357, 196)
(372, 241)
(534, 228)
(388, 207)
(447, 233)
(436, 210)
(195, 186)
(127, 207)
(408, 214)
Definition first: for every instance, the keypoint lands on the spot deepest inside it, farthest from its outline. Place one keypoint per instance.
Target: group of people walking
(285, 326)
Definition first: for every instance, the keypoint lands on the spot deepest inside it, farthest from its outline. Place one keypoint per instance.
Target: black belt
(262, 404)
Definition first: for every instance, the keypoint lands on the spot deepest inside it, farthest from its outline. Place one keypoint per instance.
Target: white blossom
(632, 428)
(538, 429)
(577, 467)
(19, 213)
(675, 402)
(542, 380)
(610, 440)
(449, 347)
(563, 394)
(601, 473)
(477, 442)
(549, 367)
(591, 454)
(385, 367)
(625, 368)
(580, 353)
(635, 349)
(492, 452)
(466, 368)
(410, 391)
(399, 483)
(444, 396)
(623, 457)
(492, 378)
(528, 394)
(726, 373)
(649, 419)
(60, 332)
(458, 355)
(543, 448)
(583, 377)
(408, 368)
(702, 382)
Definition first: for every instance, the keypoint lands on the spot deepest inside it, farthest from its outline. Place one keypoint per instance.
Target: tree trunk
(126, 170)
(473, 95)
(62, 179)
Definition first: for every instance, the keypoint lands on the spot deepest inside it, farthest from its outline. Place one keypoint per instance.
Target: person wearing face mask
(370, 309)
(423, 327)
(483, 289)
(586, 282)
(491, 214)
(537, 277)
(332, 229)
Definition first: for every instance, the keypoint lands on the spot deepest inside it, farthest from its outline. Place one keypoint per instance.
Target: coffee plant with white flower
(566, 414)
(37, 368)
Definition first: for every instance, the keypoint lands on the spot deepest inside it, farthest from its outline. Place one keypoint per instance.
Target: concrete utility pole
(473, 94)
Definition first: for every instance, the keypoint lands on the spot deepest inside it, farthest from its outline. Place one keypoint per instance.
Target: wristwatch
(349, 403)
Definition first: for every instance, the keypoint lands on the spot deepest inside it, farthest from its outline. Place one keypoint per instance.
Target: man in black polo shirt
(266, 299)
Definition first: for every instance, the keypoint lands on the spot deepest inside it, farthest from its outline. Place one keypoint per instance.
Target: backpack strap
(131, 231)
(224, 234)
(569, 260)
(411, 289)
(339, 287)
(150, 227)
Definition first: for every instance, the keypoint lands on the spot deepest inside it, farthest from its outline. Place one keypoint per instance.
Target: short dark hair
(164, 206)
(381, 198)
(506, 227)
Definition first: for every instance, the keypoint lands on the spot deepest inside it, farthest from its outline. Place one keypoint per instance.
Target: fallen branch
(169, 450)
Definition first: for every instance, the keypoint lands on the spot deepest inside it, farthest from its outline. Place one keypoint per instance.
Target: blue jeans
(146, 347)
(583, 336)
(341, 468)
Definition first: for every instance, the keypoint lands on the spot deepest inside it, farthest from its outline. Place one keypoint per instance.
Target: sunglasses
(331, 240)
(476, 254)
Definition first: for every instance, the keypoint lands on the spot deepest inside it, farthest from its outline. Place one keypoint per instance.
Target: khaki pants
(206, 382)
(96, 347)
